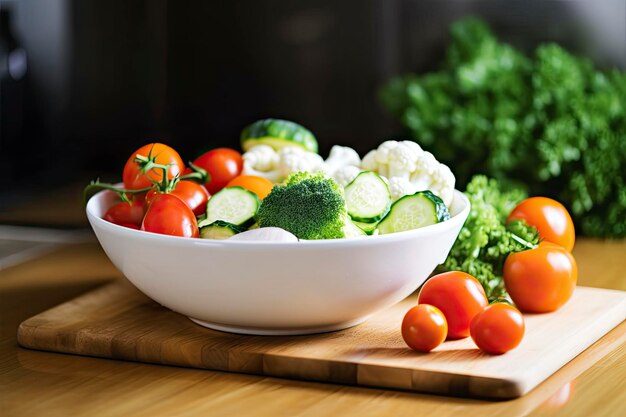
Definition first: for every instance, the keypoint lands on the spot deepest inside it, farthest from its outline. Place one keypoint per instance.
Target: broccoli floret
(311, 206)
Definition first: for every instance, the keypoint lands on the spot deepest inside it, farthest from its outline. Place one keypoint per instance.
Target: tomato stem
(198, 174)
(95, 186)
(147, 164)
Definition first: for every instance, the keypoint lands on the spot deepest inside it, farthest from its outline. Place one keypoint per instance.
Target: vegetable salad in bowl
(281, 181)
(278, 240)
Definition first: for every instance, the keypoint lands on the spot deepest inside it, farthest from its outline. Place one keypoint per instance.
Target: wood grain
(118, 322)
(36, 383)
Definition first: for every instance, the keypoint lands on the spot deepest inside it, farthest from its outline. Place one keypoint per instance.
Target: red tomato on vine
(136, 177)
(169, 215)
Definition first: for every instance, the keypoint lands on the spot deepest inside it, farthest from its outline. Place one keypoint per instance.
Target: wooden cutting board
(118, 322)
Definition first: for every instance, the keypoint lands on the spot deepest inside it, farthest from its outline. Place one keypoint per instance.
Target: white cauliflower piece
(345, 175)
(369, 161)
(423, 175)
(294, 159)
(340, 157)
(443, 184)
(382, 156)
(400, 186)
(262, 161)
(405, 163)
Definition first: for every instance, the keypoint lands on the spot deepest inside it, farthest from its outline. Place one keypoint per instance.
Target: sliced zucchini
(219, 230)
(367, 197)
(277, 134)
(234, 205)
(414, 211)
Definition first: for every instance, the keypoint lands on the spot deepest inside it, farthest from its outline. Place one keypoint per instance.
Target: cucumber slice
(277, 134)
(414, 211)
(367, 197)
(219, 230)
(366, 227)
(234, 205)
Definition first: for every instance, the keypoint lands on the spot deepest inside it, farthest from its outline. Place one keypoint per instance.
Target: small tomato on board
(134, 176)
(459, 296)
(258, 185)
(192, 193)
(424, 327)
(498, 328)
(222, 164)
(169, 215)
(127, 213)
(550, 217)
(540, 280)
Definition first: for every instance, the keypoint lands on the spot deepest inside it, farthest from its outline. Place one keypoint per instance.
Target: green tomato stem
(95, 186)
(198, 174)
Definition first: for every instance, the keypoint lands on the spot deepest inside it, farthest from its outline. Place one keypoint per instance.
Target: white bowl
(276, 288)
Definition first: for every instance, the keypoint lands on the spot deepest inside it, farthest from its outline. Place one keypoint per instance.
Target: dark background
(86, 82)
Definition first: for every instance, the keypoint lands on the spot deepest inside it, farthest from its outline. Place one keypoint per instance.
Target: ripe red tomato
(127, 214)
(549, 217)
(258, 185)
(135, 179)
(222, 164)
(169, 215)
(498, 328)
(192, 193)
(424, 327)
(540, 280)
(459, 296)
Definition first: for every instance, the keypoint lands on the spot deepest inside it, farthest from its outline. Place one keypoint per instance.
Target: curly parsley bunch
(485, 239)
(551, 121)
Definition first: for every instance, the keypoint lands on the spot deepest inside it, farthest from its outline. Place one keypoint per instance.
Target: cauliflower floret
(443, 184)
(339, 157)
(427, 167)
(402, 161)
(294, 159)
(345, 175)
(262, 161)
(382, 156)
(405, 163)
(413, 146)
(400, 186)
(369, 161)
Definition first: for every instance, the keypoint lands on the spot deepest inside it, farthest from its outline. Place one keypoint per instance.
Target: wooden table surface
(36, 383)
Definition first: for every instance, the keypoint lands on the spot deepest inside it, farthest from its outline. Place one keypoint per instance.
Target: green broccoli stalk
(311, 206)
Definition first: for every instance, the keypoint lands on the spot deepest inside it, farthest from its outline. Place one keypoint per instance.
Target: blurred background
(83, 83)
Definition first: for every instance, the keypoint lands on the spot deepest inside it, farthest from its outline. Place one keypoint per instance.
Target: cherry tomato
(459, 296)
(258, 185)
(192, 193)
(540, 280)
(498, 328)
(222, 164)
(135, 179)
(127, 214)
(169, 215)
(549, 217)
(424, 327)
